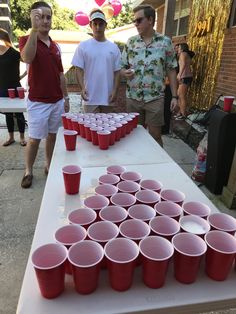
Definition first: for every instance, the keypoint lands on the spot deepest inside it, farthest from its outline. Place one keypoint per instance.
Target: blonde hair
(4, 36)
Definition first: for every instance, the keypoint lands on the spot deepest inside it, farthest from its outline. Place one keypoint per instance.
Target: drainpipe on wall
(168, 20)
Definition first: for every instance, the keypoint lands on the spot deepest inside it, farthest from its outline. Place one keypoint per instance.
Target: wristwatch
(66, 97)
(176, 97)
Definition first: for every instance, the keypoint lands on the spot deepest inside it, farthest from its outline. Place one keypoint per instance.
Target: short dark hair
(185, 48)
(148, 10)
(40, 4)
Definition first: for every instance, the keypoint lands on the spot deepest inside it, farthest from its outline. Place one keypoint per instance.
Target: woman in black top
(10, 78)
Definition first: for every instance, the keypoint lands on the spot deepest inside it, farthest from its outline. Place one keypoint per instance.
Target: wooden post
(229, 192)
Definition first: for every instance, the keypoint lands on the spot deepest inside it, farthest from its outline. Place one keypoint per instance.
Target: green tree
(124, 17)
(20, 13)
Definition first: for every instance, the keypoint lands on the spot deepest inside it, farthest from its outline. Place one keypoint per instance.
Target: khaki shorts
(151, 113)
(97, 109)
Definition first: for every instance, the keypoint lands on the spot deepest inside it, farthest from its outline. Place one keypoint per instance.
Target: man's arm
(64, 91)
(116, 85)
(80, 79)
(171, 73)
(29, 51)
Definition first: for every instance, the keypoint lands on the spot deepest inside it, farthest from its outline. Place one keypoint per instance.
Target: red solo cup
(189, 249)
(106, 190)
(75, 125)
(147, 197)
(49, 264)
(164, 226)
(116, 169)
(21, 92)
(124, 128)
(134, 229)
(96, 202)
(70, 139)
(11, 92)
(81, 123)
(222, 222)
(82, 216)
(168, 208)
(121, 257)
(88, 133)
(228, 102)
(132, 116)
(86, 257)
(72, 176)
(153, 185)
(196, 208)
(68, 235)
(129, 125)
(64, 121)
(135, 121)
(194, 224)
(128, 187)
(103, 231)
(175, 196)
(118, 131)
(221, 250)
(142, 212)
(155, 261)
(94, 134)
(123, 199)
(112, 129)
(115, 214)
(104, 139)
(131, 175)
(109, 179)
(69, 122)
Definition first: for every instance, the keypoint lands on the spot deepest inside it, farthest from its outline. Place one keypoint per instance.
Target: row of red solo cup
(101, 130)
(121, 255)
(118, 238)
(14, 92)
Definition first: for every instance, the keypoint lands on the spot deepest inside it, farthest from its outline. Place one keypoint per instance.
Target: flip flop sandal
(9, 142)
(23, 143)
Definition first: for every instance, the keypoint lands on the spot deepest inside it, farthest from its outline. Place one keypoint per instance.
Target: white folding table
(12, 104)
(138, 147)
(173, 298)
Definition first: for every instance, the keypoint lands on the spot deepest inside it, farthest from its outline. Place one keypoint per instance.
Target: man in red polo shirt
(48, 97)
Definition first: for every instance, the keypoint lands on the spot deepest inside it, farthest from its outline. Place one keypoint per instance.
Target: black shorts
(186, 80)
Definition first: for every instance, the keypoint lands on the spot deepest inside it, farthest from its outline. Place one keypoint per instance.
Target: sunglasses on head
(138, 20)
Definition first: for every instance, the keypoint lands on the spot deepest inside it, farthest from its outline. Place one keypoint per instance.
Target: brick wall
(226, 80)
(160, 18)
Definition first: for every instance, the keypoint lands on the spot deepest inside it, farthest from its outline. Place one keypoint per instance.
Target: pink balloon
(81, 18)
(100, 2)
(117, 6)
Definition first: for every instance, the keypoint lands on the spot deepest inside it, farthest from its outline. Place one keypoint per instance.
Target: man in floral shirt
(147, 59)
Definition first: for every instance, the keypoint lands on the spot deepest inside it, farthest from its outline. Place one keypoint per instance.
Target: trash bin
(220, 151)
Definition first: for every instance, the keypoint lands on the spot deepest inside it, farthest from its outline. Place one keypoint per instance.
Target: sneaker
(27, 181)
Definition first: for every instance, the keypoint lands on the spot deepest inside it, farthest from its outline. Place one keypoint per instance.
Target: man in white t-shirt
(97, 62)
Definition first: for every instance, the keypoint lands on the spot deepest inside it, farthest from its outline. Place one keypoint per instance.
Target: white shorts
(44, 118)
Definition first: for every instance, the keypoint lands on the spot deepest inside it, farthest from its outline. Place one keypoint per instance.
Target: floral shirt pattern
(150, 63)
